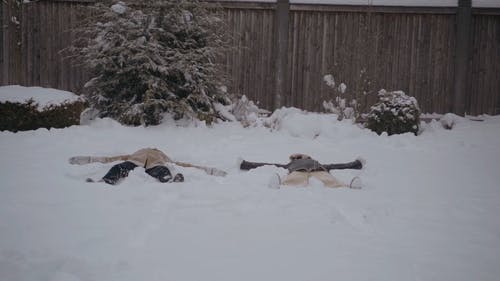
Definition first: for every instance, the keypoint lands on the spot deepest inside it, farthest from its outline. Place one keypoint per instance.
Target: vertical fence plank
(2, 65)
(15, 39)
(430, 67)
(292, 46)
(462, 57)
(24, 63)
(63, 25)
(495, 69)
(43, 44)
(8, 38)
(35, 48)
(282, 19)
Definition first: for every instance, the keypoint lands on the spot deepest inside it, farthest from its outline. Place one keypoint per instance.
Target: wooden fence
(283, 51)
(33, 35)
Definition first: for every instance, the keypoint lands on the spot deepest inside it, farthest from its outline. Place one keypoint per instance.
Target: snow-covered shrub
(152, 57)
(394, 113)
(244, 111)
(17, 116)
(345, 106)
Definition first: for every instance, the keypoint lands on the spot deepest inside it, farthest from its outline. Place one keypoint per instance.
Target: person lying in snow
(301, 167)
(153, 160)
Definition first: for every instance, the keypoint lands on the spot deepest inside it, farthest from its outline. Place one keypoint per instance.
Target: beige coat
(146, 157)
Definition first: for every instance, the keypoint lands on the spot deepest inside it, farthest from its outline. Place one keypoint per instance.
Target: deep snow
(428, 211)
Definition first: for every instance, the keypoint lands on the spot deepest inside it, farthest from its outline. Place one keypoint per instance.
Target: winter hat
(297, 156)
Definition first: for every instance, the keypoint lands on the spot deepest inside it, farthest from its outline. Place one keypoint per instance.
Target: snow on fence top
(409, 3)
(427, 3)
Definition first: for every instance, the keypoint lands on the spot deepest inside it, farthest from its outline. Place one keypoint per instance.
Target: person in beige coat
(156, 163)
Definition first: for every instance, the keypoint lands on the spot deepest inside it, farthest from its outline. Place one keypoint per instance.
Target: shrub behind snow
(242, 110)
(16, 116)
(394, 113)
(344, 105)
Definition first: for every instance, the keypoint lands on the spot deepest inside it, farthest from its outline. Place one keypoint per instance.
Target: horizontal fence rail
(280, 57)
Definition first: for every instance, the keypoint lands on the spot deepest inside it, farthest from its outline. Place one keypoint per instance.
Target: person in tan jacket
(154, 161)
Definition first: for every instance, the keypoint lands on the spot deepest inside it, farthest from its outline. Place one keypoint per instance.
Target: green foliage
(16, 116)
(152, 57)
(394, 113)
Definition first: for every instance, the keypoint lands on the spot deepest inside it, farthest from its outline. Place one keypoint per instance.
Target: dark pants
(120, 171)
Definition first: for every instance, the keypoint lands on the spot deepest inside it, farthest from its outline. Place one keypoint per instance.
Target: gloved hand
(80, 160)
(215, 172)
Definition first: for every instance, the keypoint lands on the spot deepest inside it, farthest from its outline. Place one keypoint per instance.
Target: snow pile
(449, 120)
(299, 123)
(244, 111)
(119, 8)
(43, 97)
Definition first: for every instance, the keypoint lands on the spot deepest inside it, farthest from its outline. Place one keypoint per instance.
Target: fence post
(282, 18)
(2, 40)
(462, 54)
(11, 42)
(5, 20)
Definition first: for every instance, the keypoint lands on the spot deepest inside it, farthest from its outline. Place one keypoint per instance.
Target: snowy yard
(429, 208)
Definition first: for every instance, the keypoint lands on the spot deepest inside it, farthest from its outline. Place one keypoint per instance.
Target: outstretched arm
(82, 160)
(208, 170)
(357, 165)
(246, 165)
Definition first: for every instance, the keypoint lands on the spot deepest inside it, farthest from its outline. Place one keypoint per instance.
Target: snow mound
(242, 110)
(42, 96)
(119, 8)
(299, 123)
(449, 120)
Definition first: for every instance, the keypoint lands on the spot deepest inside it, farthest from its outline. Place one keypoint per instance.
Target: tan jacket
(146, 157)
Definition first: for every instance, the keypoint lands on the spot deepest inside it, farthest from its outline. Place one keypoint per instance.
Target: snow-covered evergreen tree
(151, 57)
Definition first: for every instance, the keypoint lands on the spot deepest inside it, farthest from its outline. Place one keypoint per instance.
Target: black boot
(118, 171)
(160, 173)
(179, 178)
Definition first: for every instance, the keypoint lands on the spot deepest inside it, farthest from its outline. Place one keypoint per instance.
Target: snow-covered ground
(429, 208)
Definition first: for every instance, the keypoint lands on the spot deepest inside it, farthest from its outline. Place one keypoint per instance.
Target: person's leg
(296, 179)
(118, 172)
(163, 174)
(327, 179)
